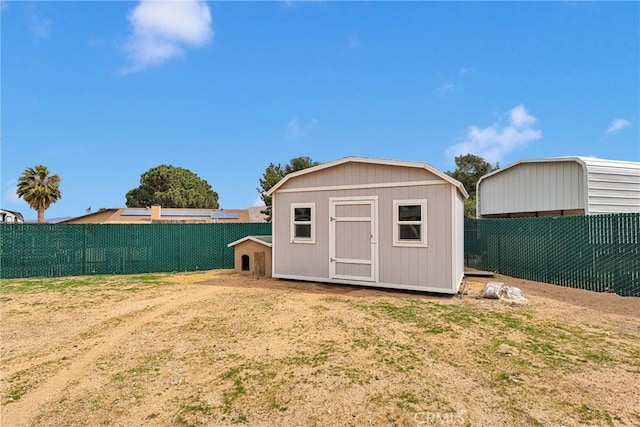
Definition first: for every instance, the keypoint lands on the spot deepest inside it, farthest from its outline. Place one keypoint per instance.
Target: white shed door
(353, 252)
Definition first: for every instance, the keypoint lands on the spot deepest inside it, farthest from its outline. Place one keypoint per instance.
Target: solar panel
(136, 212)
(210, 213)
(178, 212)
(224, 215)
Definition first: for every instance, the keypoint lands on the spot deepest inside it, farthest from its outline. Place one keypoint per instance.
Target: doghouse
(371, 222)
(252, 255)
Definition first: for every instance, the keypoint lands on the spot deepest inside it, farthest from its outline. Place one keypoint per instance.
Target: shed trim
(374, 262)
(454, 240)
(422, 243)
(368, 284)
(363, 186)
(253, 239)
(401, 163)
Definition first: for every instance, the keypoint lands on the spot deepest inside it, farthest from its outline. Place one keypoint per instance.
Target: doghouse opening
(245, 262)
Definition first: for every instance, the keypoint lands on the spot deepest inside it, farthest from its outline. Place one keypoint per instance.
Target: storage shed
(560, 186)
(383, 223)
(252, 255)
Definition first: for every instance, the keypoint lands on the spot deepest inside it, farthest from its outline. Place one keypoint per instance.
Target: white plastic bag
(492, 290)
(513, 293)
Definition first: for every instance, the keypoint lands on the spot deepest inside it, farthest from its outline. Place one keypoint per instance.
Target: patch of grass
(524, 415)
(599, 356)
(198, 407)
(90, 283)
(406, 399)
(415, 312)
(153, 278)
(194, 412)
(509, 378)
(588, 415)
(231, 395)
(21, 382)
(231, 373)
(118, 377)
(240, 419)
(360, 343)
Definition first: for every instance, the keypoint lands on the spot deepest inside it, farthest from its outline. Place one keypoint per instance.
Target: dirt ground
(217, 348)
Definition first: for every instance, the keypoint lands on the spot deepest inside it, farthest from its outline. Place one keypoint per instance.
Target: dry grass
(216, 348)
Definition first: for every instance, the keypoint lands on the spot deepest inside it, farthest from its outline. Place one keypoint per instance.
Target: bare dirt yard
(216, 348)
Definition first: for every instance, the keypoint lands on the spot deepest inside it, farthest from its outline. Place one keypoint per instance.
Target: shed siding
(533, 187)
(425, 267)
(613, 188)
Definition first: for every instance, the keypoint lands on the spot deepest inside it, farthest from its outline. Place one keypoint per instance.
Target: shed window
(409, 222)
(245, 263)
(303, 223)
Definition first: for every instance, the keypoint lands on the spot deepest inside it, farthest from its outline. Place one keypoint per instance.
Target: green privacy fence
(53, 250)
(598, 253)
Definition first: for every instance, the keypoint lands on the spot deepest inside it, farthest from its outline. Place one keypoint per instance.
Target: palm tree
(39, 189)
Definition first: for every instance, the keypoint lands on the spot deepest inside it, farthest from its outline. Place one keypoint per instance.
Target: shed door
(353, 236)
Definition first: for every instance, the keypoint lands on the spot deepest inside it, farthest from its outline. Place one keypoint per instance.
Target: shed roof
(589, 164)
(263, 240)
(401, 163)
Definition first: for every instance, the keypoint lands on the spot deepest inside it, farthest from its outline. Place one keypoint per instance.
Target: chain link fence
(54, 250)
(598, 253)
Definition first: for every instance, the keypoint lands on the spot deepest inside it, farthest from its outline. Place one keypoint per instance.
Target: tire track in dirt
(60, 350)
(21, 413)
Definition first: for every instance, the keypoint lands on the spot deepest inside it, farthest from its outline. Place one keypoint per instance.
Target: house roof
(16, 214)
(263, 240)
(144, 215)
(401, 163)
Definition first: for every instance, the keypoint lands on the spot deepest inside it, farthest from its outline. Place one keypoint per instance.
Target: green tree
(274, 173)
(39, 189)
(172, 187)
(470, 168)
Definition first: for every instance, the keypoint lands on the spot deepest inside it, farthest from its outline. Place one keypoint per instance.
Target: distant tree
(470, 168)
(274, 173)
(172, 187)
(39, 189)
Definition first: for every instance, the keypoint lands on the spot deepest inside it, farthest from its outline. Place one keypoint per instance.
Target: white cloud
(39, 27)
(296, 130)
(445, 88)
(463, 71)
(493, 142)
(160, 30)
(617, 125)
(293, 127)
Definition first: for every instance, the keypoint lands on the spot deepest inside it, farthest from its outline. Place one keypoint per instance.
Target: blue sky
(102, 91)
